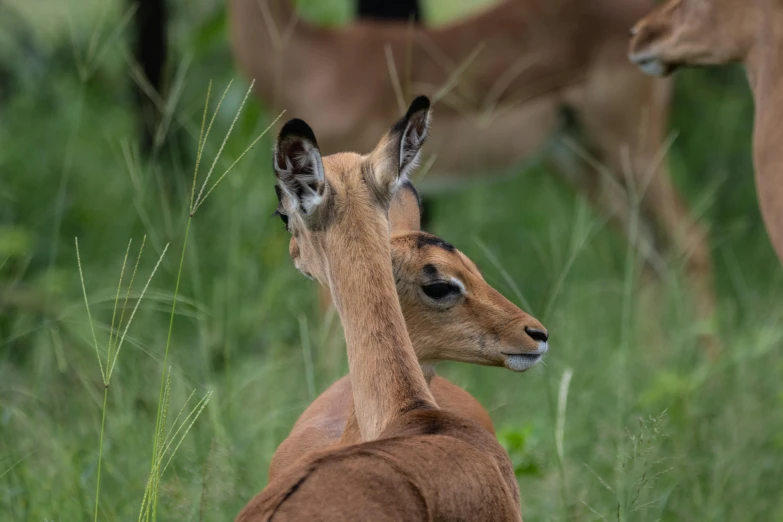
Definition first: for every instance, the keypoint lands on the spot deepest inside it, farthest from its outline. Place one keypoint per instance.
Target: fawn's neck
(385, 373)
(352, 434)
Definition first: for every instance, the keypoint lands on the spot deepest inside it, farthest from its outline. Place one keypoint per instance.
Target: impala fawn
(451, 314)
(419, 462)
(711, 32)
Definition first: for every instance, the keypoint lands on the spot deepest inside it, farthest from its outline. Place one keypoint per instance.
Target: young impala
(711, 32)
(451, 314)
(510, 81)
(419, 462)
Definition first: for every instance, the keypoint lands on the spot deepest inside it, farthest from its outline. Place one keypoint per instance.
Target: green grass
(645, 429)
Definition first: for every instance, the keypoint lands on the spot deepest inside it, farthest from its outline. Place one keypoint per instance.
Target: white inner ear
(410, 147)
(310, 170)
(303, 170)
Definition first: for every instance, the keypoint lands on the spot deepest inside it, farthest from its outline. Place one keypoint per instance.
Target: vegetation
(177, 415)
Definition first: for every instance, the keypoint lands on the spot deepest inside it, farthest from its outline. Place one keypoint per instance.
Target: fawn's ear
(397, 154)
(298, 168)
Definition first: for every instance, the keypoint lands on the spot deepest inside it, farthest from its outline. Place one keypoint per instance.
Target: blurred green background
(651, 430)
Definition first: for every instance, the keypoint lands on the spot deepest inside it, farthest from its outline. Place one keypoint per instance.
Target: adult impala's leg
(622, 126)
(625, 116)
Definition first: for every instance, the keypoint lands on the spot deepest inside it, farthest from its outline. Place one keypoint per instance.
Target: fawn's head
(692, 32)
(450, 311)
(338, 198)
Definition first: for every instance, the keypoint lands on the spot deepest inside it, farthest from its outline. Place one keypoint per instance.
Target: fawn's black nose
(536, 334)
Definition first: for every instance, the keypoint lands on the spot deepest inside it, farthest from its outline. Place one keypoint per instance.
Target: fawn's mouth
(520, 362)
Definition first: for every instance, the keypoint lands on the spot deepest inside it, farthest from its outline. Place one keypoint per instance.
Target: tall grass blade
(225, 138)
(100, 452)
(149, 502)
(200, 147)
(89, 315)
(135, 309)
(562, 400)
(117, 299)
(161, 450)
(127, 295)
(110, 362)
(231, 167)
(560, 420)
(193, 416)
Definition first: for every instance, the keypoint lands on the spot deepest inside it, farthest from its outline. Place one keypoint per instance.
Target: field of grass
(177, 419)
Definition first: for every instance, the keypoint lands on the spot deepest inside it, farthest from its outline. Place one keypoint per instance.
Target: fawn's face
(691, 32)
(453, 314)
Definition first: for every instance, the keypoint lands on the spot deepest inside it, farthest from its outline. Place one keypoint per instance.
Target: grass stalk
(195, 204)
(106, 372)
(117, 339)
(562, 401)
(626, 330)
(89, 314)
(117, 299)
(200, 149)
(111, 364)
(100, 452)
(241, 156)
(161, 436)
(166, 354)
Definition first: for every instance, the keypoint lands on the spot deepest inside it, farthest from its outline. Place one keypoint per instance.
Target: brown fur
(330, 420)
(711, 32)
(535, 58)
(432, 466)
(474, 329)
(426, 464)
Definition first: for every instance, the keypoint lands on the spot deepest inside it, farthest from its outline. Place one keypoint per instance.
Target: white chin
(521, 363)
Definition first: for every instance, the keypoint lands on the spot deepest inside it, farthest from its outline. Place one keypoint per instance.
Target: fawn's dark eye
(440, 290)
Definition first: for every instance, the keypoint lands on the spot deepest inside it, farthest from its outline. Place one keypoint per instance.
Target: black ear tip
(296, 128)
(421, 103)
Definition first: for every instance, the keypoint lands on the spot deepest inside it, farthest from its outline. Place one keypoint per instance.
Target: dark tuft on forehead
(424, 240)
